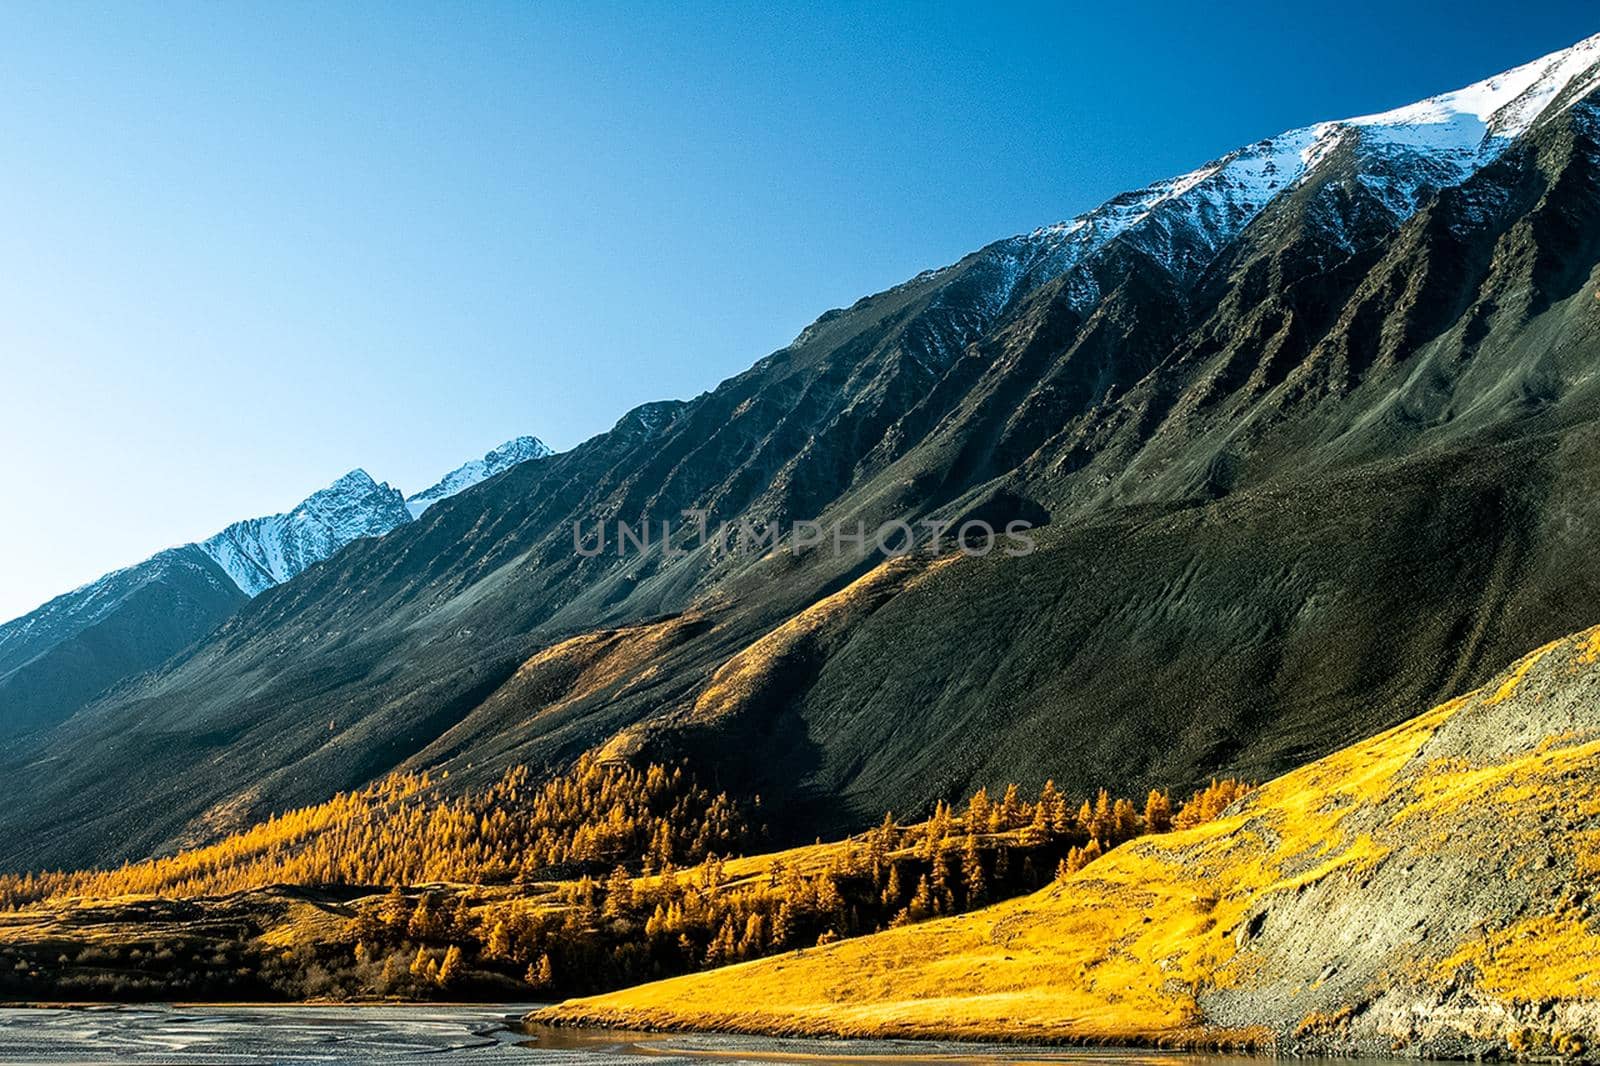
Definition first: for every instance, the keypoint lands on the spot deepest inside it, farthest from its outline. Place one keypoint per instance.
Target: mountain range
(1308, 436)
(58, 657)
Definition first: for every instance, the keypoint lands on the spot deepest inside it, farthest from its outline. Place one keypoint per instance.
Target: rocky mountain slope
(1311, 429)
(55, 659)
(1429, 891)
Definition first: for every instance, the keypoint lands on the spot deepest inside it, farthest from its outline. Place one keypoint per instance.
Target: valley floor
(600, 878)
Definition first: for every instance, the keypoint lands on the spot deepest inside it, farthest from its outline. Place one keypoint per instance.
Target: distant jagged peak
(354, 498)
(258, 553)
(496, 461)
(356, 480)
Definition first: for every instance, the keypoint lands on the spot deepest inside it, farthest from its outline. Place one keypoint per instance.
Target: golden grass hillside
(1429, 891)
(746, 687)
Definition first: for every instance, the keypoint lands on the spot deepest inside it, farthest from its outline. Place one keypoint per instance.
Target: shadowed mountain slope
(1310, 453)
(56, 658)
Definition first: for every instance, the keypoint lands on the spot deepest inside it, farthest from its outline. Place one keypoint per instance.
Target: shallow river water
(394, 1035)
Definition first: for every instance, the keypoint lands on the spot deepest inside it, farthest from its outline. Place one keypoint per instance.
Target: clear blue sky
(248, 248)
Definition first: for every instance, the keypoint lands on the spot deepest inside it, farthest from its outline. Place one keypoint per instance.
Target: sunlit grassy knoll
(739, 680)
(1031, 969)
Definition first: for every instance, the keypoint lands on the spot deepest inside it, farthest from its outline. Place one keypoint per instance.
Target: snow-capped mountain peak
(258, 553)
(55, 658)
(509, 454)
(1397, 160)
(1402, 156)
(1412, 151)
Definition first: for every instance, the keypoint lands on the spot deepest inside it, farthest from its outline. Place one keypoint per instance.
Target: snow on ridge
(1505, 105)
(1403, 155)
(258, 553)
(509, 454)
(1197, 213)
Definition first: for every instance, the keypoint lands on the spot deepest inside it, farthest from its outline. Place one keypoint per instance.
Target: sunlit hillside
(1428, 888)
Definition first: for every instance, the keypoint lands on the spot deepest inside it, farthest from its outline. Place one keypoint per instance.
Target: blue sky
(248, 248)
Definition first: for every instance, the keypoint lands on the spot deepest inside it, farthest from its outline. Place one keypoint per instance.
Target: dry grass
(738, 680)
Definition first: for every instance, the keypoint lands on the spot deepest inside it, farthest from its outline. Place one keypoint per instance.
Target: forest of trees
(610, 875)
(400, 831)
(621, 929)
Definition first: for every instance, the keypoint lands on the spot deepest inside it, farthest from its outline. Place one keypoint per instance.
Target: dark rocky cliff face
(1297, 482)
